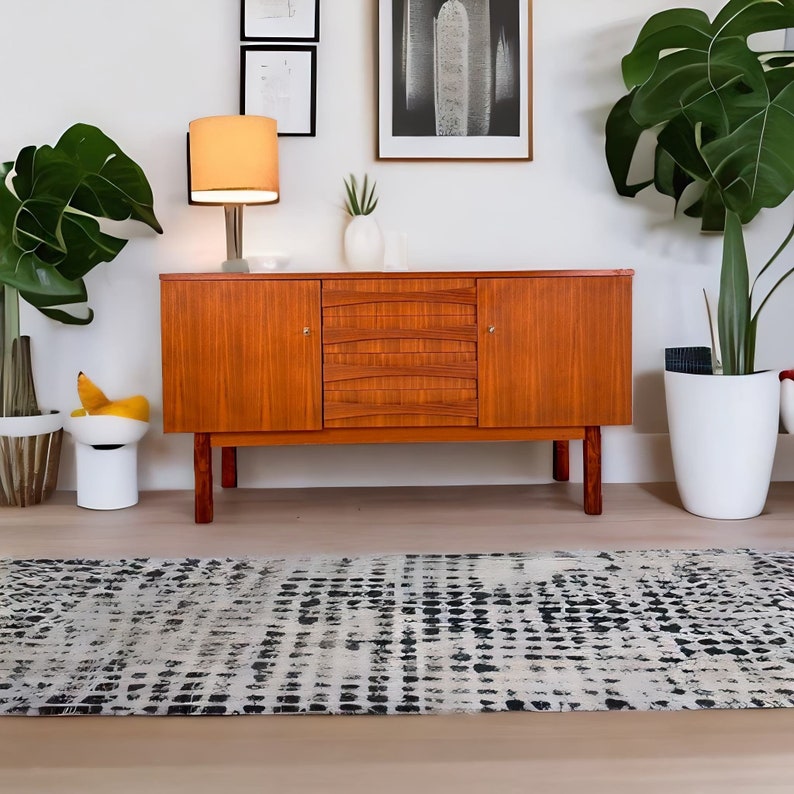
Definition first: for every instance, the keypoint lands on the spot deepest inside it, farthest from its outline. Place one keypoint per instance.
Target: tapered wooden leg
(229, 467)
(202, 472)
(591, 451)
(561, 462)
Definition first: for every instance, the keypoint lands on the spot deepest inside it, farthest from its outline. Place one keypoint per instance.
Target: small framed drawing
(454, 80)
(280, 81)
(280, 20)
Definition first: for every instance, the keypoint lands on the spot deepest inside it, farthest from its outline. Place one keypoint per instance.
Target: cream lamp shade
(233, 160)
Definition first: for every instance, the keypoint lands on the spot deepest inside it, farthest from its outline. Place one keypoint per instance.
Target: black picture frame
(302, 25)
(291, 96)
(480, 107)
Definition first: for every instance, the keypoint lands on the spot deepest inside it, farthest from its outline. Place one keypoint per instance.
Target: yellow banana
(136, 407)
(96, 403)
(91, 396)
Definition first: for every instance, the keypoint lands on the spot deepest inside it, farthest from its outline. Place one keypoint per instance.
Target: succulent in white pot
(364, 244)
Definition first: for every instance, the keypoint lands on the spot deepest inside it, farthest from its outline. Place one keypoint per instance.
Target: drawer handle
(307, 331)
(491, 329)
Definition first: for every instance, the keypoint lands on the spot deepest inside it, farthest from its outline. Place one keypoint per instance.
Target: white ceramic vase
(723, 434)
(364, 245)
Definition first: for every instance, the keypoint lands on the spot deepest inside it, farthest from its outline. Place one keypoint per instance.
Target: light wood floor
(718, 751)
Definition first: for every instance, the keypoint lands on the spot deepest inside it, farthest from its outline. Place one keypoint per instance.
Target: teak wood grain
(554, 351)
(400, 412)
(395, 435)
(236, 358)
(400, 359)
(278, 359)
(404, 383)
(408, 345)
(339, 372)
(421, 388)
(370, 333)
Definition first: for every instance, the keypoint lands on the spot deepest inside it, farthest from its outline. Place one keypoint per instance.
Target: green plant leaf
(30, 275)
(38, 223)
(360, 202)
(669, 178)
(723, 115)
(62, 316)
(49, 234)
(754, 165)
(679, 140)
(352, 199)
(733, 308)
(745, 17)
(712, 210)
(369, 204)
(622, 136)
(720, 86)
(670, 29)
(111, 184)
(86, 246)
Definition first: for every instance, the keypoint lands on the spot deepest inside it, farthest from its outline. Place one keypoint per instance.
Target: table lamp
(233, 161)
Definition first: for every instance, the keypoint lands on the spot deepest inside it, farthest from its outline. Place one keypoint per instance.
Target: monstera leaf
(49, 233)
(723, 118)
(111, 185)
(754, 164)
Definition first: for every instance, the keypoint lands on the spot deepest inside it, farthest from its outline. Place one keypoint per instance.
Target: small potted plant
(722, 115)
(364, 245)
(51, 198)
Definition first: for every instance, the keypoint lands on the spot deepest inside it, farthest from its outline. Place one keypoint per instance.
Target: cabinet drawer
(399, 353)
(406, 297)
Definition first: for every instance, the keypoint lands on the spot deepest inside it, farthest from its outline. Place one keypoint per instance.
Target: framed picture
(454, 79)
(280, 20)
(280, 82)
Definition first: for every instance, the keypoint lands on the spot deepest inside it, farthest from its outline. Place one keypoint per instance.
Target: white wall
(143, 70)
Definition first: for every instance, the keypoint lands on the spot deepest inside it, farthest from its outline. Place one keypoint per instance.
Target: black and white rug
(423, 634)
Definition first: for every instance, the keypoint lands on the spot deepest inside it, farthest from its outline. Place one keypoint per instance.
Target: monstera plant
(722, 117)
(51, 201)
(51, 198)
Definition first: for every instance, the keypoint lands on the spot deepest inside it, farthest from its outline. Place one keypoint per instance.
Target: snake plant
(722, 116)
(360, 200)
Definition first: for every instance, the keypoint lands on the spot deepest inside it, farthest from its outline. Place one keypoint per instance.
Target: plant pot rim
(22, 426)
(767, 372)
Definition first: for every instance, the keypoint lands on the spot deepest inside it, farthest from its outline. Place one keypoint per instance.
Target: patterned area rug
(398, 634)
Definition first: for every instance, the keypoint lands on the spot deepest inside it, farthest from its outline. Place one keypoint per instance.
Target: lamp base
(235, 266)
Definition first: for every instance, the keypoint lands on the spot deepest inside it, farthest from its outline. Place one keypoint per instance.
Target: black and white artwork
(280, 20)
(454, 79)
(280, 82)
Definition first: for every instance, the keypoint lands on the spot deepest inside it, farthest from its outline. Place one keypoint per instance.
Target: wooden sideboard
(359, 358)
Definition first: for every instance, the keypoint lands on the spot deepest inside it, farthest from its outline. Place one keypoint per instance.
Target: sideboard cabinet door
(554, 351)
(241, 356)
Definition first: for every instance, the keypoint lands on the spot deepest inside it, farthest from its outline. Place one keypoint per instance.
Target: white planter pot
(364, 245)
(106, 456)
(723, 434)
(24, 426)
(30, 455)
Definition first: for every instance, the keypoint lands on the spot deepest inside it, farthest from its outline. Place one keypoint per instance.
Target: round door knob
(491, 329)
(307, 331)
